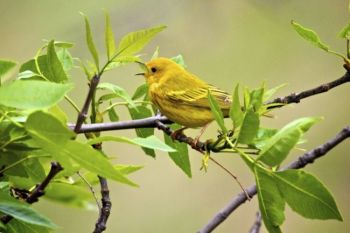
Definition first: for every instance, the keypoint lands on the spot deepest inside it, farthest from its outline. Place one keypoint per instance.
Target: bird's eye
(153, 69)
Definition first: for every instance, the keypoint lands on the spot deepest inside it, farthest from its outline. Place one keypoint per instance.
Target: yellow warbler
(181, 96)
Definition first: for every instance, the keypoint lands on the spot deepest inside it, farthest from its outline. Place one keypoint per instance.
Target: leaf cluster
(264, 150)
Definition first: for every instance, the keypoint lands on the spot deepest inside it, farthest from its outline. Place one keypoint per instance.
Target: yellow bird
(181, 96)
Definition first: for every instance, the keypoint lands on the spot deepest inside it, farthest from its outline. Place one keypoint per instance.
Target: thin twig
(151, 122)
(296, 97)
(301, 162)
(105, 211)
(84, 111)
(92, 190)
(257, 224)
(39, 189)
(160, 121)
(231, 174)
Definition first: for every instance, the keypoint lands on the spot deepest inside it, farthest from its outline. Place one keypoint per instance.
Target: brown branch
(257, 224)
(199, 146)
(151, 122)
(39, 189)
(84, 111)
(105, 211)
(301, 162)
(161, 121)
(296, 97)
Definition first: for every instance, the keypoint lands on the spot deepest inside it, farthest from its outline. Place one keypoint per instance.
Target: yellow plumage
(180, 95)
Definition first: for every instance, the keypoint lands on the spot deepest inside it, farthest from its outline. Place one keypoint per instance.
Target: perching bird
(181, 96)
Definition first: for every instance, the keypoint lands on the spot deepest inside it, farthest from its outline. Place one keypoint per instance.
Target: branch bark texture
(301, 162)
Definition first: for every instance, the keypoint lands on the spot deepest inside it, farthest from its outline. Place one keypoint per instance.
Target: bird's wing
(198, 97)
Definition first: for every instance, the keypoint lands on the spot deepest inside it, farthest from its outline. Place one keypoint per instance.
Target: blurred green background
(223, 42)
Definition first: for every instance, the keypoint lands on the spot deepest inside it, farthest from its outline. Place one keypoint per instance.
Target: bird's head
(158, 69)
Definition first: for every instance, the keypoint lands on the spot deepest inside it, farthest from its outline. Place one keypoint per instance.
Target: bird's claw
(175, 135)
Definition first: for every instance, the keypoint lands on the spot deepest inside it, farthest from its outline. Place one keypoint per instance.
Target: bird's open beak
(143, 67)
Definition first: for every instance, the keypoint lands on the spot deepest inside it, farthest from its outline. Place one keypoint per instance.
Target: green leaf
(48, 125)
(309, 35)
(6, 66)
(16, 226)
(180, 156)
(271, 203)
(127, 169)
(31, 66)
(141, 112)
(119, 61)
(179, 59)
(93, 179)
(345, 32)
(247, 159)
(236, 113)
(151, 142)
(65, 58)
(3, 227)
(33, 94)
(262, 136)
(90, 42)
(35, 170)
(136, 41)
(256, 98)
(62, 44)
(306, 195)
(54, 138)
(109, 38)
(91, 160)
(25, 214)
(69, 194)
(119, 91)
(246, 99)
(249, 128)
(276, 148)
(112, 114)
(217, 113)
(54, 65)
(140, 91)
(59, 114)
(27, 74)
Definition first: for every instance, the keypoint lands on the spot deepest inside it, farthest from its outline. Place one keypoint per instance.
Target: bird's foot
(175, 135)
(195, 141)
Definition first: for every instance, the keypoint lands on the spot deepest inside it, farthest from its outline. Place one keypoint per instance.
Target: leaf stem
(124, 103)
(91, 189)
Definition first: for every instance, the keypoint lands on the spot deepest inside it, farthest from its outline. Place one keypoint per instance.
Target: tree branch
(296, 97)
(84, 111)
(105, 211)
(150, 122)
(161, 121)
(301, 162)
(257, 224)
(39, 189)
